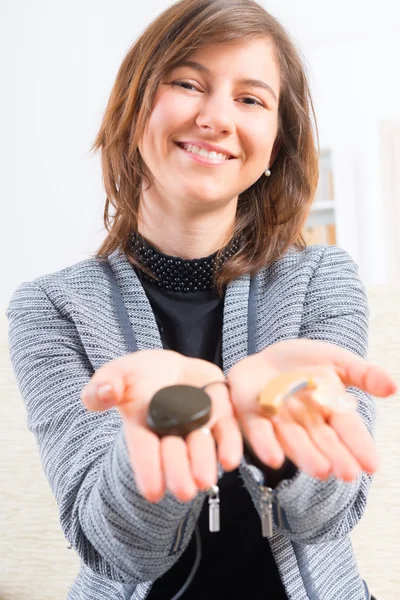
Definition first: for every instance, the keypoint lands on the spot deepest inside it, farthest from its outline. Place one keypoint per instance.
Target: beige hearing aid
(326, 390)
(282, 387)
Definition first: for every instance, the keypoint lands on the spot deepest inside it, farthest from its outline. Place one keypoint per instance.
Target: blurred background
(59, 61)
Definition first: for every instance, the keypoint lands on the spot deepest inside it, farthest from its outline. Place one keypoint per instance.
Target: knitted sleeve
(336, 311)
(117, 533)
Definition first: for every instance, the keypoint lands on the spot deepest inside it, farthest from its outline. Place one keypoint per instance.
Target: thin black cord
(194, 568)
(197, 533)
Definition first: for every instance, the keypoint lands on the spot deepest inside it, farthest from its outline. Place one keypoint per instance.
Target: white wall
(352, 48)
(58, 62)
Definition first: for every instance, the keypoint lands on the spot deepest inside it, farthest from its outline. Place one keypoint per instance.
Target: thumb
(104, 389)
(373, 379)
(351, 368)
(355, 370)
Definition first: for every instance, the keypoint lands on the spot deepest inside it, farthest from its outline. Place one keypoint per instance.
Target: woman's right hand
(182, 466)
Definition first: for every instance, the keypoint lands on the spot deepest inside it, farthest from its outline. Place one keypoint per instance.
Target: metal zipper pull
(213, 510)
(266, 511)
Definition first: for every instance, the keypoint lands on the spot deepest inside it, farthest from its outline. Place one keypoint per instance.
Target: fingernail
(103, 389)
(104, 393)
(88, 394)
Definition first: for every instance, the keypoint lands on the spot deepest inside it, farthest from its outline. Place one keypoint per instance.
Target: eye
(189, 86)
(256, 102)
(184, 84)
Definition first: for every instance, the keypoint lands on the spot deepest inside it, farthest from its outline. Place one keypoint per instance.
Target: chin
(203, 194)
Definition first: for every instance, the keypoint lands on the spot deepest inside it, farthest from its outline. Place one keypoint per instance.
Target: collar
(177, 274)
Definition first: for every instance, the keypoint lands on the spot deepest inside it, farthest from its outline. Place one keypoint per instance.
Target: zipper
(213, 519)
(269, 508)
(266, 510)
(213, 509)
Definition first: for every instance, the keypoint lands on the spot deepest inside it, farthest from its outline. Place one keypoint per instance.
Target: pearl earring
(268, 173)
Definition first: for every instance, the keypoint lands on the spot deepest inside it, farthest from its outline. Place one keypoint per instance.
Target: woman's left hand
(320, 441)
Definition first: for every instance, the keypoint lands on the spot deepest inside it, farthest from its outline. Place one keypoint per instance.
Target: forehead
(245, 59)
(254, 47)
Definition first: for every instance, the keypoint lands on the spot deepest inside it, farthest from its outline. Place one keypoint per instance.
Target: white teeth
(202, 152)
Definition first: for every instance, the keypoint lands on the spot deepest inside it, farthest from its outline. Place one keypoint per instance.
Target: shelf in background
(321, 223)
(322, 213)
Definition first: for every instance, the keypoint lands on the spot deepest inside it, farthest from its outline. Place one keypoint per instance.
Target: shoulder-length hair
(272, 212)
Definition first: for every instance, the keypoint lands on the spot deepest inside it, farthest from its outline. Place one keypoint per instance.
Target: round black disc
(178, 410)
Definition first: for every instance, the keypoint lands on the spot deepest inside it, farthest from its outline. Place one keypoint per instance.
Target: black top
(236, 562)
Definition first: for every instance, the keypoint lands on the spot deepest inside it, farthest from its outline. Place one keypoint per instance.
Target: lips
(182, 145)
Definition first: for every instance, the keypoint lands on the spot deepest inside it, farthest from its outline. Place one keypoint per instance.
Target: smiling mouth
(217, 160)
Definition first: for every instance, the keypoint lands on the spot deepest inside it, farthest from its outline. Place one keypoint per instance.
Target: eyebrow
(257, 83)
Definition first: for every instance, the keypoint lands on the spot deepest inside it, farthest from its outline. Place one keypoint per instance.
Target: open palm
(182, 466)
(320, 441)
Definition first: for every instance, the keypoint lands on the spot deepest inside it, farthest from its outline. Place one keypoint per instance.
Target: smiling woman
(210, 163)
(200, 111)
(221, 76)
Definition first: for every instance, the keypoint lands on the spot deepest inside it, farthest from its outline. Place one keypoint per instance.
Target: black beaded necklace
(177, 274)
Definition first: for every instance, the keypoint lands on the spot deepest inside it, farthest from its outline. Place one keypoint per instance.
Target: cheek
(168, 114)
(260, 138)
(154, 135)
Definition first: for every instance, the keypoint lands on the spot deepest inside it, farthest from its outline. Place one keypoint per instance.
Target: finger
(176, 467)
(221, 405)
(262, 439)
(299, 448)
(144, 453)
(224, 426)
(355, 436)
(344, 465)
(203, 458)
(353, 370)
(370, 378)
(102, 396)
(121, 378)
(107, 384)
(356, 371)
(229, 441)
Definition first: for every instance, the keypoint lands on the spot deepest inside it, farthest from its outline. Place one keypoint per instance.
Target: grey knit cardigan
(65, 325)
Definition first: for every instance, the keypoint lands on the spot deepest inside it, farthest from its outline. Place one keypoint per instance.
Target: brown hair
(272, 212)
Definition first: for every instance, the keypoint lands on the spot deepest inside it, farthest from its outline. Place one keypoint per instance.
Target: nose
(216, 114)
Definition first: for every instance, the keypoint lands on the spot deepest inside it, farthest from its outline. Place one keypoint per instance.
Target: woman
(210, 163)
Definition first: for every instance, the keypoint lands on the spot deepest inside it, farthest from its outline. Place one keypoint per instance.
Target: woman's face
(229, 98)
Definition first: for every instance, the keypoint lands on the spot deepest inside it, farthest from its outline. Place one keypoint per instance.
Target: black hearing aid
(178, 410)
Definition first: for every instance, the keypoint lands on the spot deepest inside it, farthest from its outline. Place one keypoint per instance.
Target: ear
(275, 150)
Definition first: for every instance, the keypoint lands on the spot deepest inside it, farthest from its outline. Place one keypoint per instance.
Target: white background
(58, 62)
